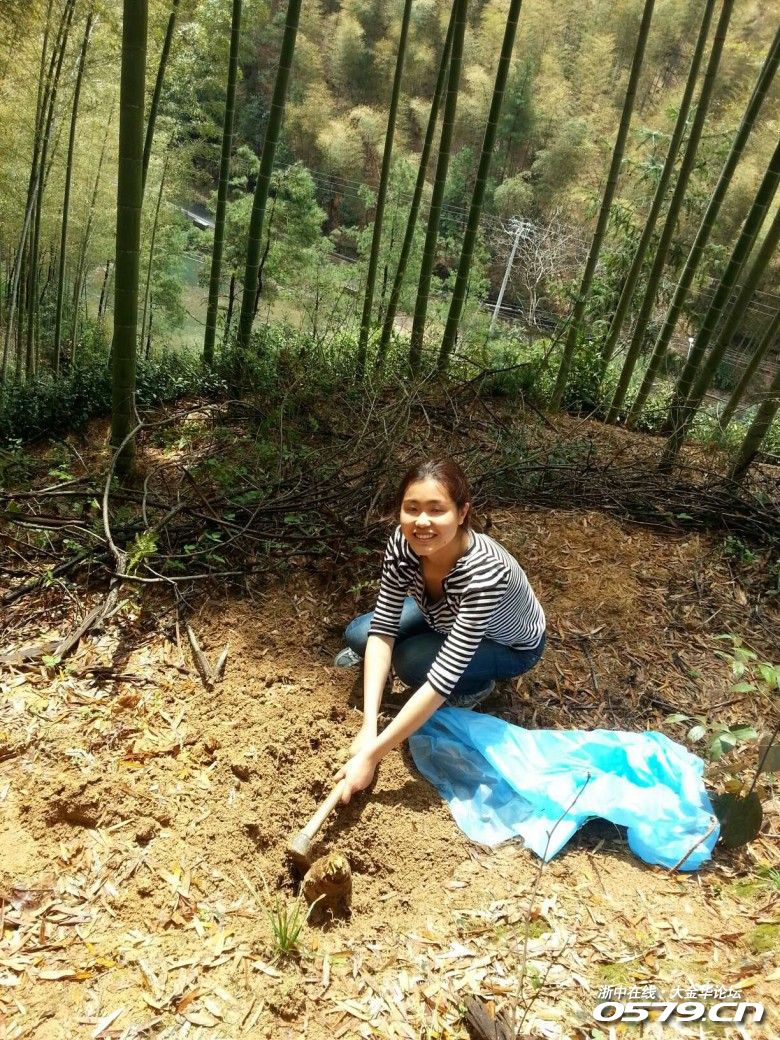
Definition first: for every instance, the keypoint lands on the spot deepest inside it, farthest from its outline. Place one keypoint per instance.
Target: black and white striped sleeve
(478, 604)
(393, 586)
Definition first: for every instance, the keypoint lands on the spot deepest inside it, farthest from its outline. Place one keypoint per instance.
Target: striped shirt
(486, 595)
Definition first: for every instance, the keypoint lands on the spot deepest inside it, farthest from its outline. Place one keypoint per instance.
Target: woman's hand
(366, 735)
(357, 774)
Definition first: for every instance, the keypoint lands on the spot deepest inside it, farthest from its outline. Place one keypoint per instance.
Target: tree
(675, 205)
(292, 233)
(255, 235)
(727, 330)
(414, 209)
(434, 213)
(379, 210)
(660, 192)
(129, 201)
(477, 199)
(514, 196)
(517, 114)
(766, 341)
(549, 250)
(661, 344)
(223, 186)
(561, 161)
(570, 344)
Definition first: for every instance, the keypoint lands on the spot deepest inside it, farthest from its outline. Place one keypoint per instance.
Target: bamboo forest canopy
(496, 177)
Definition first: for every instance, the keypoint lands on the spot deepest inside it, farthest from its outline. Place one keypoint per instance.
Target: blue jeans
(417, 645)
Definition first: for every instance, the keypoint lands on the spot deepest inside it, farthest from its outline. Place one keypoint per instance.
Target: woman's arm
(359, 771)
(376, 667)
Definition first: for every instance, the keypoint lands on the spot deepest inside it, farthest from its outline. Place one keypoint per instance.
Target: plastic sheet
(503, 782)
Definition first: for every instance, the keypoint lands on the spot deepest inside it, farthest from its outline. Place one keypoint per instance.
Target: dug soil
(145, 818)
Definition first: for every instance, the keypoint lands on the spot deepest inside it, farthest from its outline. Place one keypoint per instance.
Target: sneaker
(347, 658)
(471, 700)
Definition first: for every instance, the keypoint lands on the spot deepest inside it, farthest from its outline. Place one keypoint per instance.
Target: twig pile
(236, 491)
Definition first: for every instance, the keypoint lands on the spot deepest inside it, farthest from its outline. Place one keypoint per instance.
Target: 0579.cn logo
(727, 1011)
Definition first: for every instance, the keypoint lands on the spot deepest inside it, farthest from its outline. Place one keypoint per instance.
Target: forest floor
(145, 819)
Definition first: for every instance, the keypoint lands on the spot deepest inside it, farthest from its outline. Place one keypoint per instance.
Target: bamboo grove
(460, 154)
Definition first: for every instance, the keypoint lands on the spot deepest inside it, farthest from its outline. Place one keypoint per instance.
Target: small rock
(146, 829)
(241, 770)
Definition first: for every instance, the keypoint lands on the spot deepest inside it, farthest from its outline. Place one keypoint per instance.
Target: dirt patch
(147, 819)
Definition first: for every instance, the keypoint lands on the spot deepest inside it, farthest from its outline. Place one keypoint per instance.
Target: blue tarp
(502, 782)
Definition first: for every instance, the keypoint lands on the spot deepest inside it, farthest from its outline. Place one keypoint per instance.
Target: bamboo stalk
(128, 229)
(32, 308)
(742, 249)
(478, 196)
(727, 330)
(384, 179)
(768, 340)
(158, 85)
(273, 128)
(599, 233)
(675, 206)
(66, 194)
(660, 192)
(440, 179)
(760, 90)
(414, 209)
(150, 265)
(81, 268)
(222, 188)
(758, 430)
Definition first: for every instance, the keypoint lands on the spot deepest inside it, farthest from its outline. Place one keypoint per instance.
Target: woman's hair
(447, 473)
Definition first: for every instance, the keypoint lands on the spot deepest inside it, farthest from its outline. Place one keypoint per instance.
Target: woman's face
(430, 520)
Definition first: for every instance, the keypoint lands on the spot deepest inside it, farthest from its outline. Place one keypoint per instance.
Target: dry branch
(325, 501)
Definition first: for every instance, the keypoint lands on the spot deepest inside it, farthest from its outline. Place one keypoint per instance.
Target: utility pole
(520, 228)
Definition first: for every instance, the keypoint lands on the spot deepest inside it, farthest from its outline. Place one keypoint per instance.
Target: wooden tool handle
(324, 811)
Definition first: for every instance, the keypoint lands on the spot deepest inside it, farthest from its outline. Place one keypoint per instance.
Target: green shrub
(47, 406)
(514, 367)
(706, 429)
(588, 388)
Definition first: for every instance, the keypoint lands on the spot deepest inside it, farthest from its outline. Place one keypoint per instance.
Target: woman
(455, 612)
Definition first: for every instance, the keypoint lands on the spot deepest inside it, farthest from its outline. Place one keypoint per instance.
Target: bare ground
(145, 819)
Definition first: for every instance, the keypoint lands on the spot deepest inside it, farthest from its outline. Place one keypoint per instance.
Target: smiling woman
(455, 613)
